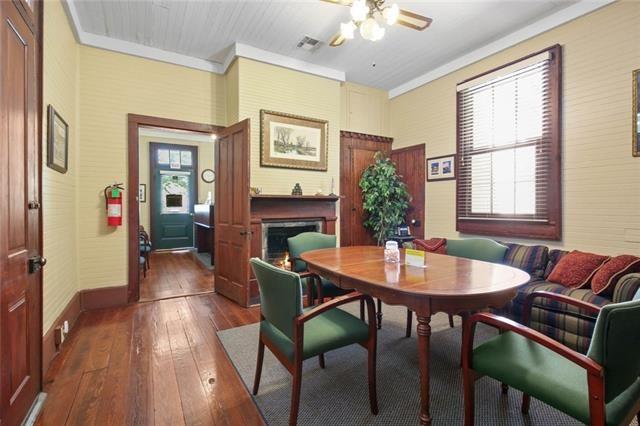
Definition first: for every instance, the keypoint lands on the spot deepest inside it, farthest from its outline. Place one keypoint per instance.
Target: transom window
(509, 149)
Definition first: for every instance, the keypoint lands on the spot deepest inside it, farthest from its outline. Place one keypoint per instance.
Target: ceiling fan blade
(413, 20)
(337, 40)
(339, 2)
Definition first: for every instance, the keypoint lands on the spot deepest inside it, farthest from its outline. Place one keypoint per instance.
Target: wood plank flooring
(174, 273)
(153, 363)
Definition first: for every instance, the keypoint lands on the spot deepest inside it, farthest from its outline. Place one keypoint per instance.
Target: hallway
(174, 273)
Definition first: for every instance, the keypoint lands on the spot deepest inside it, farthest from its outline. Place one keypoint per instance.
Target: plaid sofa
(565, 323)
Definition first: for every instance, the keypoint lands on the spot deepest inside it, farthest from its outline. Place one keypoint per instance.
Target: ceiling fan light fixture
(359, 10)
(390, 14)
(347, 30)
(371, 30)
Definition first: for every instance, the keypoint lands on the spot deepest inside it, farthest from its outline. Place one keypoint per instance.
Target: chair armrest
(333, 303)
(592, 367)
(626, 288)
(528, 303)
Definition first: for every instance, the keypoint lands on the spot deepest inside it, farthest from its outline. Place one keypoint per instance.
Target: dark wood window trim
(510, 227)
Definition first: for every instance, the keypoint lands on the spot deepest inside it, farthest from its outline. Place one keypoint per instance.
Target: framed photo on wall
(57, 141)
(142, 193)
(293, 142)
(441, 168)
(636, 113)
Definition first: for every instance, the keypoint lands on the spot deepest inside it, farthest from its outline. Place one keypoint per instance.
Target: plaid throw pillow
(531, 259)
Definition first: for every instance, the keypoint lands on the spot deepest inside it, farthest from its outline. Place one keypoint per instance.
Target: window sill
(511, 228)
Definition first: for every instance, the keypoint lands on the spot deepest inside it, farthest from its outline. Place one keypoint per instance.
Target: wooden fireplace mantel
(273, 208)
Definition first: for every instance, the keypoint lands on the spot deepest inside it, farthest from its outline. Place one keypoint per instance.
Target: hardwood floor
(174, 273)
(151, 363)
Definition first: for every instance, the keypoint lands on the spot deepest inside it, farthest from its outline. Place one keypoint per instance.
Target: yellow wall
(59, 190)
(601, 199)
(111, 86)
(263, 86)
(205, 161)
(364, 109)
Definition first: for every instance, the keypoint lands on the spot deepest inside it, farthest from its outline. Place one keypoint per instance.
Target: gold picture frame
(292, 141)
(636, 114)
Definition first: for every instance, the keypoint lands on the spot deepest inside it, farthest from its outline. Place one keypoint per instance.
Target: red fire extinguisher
(113, 199)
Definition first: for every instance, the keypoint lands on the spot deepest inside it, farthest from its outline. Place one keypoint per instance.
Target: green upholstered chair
(294, 334)
(599, 388)
(470, 248)
(307, 241)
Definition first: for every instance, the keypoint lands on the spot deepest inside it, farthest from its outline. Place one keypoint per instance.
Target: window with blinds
(508, 149)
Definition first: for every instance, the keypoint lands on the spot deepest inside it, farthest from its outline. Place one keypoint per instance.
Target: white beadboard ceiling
(209, 30)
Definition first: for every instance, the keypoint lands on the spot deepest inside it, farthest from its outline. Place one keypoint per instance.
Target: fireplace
(275, 234)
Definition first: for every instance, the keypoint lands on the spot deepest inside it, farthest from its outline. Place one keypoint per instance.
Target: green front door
(173, 194)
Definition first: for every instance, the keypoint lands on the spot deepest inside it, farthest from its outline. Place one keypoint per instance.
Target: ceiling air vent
(309, 44)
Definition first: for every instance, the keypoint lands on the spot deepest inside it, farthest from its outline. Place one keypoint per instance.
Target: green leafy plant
(385, 199)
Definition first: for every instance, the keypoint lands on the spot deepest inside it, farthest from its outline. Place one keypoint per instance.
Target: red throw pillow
(605, 279)
(434, 245)
(576, 269)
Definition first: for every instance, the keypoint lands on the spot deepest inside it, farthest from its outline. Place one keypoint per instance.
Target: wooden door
(356, 154)
(232, 218)
(173, 193)
(410, 163)
(20, 231)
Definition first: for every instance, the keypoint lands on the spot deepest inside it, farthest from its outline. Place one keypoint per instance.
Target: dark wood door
(410, 163)
(20, 238)
(356, 154)
(232, 217)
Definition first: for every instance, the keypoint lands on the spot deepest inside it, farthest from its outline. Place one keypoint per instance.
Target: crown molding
(538, 27)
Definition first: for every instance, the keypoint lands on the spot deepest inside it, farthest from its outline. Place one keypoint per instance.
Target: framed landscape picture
(293, 142)
(636, 113)
(57, 141)
(441, 168)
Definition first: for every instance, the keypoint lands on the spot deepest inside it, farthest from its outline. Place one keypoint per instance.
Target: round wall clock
(208, 175)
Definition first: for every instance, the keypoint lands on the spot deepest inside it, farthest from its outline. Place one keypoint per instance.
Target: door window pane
(185, 158)
(175, 194)
(163, 156)
(174, 159)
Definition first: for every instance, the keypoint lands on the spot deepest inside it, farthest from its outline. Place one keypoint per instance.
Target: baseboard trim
(70, 313)
(106, 297)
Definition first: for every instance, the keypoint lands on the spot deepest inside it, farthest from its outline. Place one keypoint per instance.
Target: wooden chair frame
(594, 371)
(295, 366)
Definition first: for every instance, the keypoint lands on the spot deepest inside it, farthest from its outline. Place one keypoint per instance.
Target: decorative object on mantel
(332, 193)
(293, 142)
(636, 113)
(254, 190)
(297, 190)
(319, 193)
(57, 142)
(441, 168)
(385, 199)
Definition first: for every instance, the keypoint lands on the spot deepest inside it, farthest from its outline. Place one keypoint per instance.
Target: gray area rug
(338, 395)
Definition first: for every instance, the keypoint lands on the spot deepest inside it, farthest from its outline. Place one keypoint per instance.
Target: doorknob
(36, 263)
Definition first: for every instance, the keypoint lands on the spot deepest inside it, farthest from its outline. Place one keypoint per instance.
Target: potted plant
(385, 199)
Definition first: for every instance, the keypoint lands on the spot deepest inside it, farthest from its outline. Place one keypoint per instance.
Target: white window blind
(504, 143)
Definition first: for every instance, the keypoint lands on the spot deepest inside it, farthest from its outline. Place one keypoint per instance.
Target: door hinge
(33, 205)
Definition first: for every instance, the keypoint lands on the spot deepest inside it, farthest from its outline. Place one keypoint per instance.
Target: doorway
(173, 191)
(172, 174)
(410, 165)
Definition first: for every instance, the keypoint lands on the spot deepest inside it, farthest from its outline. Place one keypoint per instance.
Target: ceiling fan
(367, 15)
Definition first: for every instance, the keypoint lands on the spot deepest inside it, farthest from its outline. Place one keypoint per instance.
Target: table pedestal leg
(424, 337)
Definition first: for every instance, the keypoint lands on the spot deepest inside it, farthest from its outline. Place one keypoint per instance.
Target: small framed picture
(57, 141)
(441, 168)
(142, 193)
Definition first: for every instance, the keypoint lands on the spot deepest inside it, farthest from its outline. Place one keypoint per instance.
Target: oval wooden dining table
(443, 284)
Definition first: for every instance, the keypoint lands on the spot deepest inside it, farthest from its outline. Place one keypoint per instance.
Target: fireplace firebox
(275, 234)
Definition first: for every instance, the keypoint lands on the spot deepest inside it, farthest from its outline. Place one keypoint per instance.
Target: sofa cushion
(606, 278)
(576, 268)
(531, 259)
(627, 288)
(554, 257)
(432, 245)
